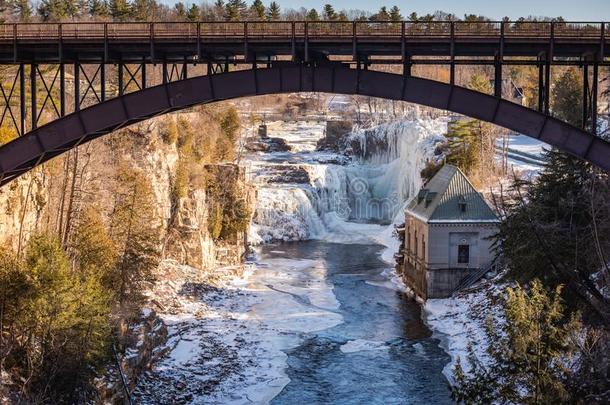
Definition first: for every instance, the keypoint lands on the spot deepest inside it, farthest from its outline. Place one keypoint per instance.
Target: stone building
(447, 233)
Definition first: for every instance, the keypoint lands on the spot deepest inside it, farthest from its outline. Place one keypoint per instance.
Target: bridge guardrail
(302, 29)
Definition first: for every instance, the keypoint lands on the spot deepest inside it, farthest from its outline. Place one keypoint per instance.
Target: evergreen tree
(413, 17)
(395, 15)
(144, 10)
(120, 10)
(22, 9)
(257, 10)
(273, 13)
(56, 10)
(98, 8)
(194, 12)
(180, 10)
(329, 13)
(94, 250)
(312, 15)
(381, 15)
(463, 144)
(136, 233)
(235, 10)
(551, 226)
(527, 353)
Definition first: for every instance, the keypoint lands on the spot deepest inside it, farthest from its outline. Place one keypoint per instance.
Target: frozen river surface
(377, 352)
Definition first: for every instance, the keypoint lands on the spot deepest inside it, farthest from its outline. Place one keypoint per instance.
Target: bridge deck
(204, 41)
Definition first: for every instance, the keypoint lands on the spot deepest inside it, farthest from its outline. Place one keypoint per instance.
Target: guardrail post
(293, 42)
(306, 55)
(60, 53)
(354, 40)
(15, 43)
(403, 45)
(452, 55)
(246, 41)
(198, 40)
(152, 41)
(602, 43)
(105, 42)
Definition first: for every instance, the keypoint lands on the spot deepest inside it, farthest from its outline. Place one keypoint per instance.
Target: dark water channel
(388, 354)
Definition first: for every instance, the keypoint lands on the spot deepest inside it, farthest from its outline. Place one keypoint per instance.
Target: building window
(463, 254)
(415, 247)
(423, 247)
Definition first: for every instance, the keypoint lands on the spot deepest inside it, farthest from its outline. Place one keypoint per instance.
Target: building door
(463, 254)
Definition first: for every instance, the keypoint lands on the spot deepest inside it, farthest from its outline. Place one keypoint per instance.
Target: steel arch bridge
(275, 57)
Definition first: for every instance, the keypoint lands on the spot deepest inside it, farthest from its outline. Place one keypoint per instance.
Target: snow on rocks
(458, 320)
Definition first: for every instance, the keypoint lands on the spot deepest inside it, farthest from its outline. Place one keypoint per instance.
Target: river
(379, 353)
(318, 317)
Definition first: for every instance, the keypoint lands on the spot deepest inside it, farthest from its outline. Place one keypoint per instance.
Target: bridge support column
(585, 96)
(62, 89)
(498, 77)
(76, 86)
(22, 101)
(120, 79)
(544, 85)
(594, 98)
(103, 81)
(33, 91)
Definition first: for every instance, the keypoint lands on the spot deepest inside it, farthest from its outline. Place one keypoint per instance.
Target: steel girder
(54, 138)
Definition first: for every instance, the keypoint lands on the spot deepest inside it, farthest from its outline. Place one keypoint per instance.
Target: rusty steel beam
(47, 141)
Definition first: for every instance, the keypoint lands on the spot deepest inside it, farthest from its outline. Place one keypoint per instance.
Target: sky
(581, 10)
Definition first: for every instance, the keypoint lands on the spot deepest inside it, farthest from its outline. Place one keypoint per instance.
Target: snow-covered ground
(460, 320)
(525, 154)
(227, 337)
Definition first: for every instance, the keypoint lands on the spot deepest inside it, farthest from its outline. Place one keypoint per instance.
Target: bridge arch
(56, 137)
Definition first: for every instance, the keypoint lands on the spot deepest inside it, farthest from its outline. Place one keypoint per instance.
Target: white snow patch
(359, 345)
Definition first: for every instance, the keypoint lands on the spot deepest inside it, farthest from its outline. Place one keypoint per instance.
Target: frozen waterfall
(339, 202)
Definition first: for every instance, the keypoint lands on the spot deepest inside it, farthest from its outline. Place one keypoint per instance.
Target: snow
(458, 320)
(338, 200)
(227, 341)
(359, 345)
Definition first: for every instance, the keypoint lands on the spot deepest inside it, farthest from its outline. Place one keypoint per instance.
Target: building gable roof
(450, 197)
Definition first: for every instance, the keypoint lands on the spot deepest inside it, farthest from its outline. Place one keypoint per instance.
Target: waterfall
(339, 202)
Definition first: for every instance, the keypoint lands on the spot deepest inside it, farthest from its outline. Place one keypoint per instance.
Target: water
(380, 352)
(326, 299)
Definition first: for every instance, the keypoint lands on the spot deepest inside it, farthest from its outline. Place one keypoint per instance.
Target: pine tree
(22, 9)
(527, 352)
(235, 10)
(395, 15)
(120, 10)
(549, 231)
(312, 15)
(55, 10)
(463, 145)
(329, 13)
(98, 8)
(136, 232)
(257, 10)
(381, 15)
(194, 12)
(180, 10)
(273, 12)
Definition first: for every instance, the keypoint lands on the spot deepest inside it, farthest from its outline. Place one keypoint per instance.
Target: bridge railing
(271, 29)
(302, 29)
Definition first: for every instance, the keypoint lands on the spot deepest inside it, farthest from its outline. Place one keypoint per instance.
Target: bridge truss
(51, 70)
